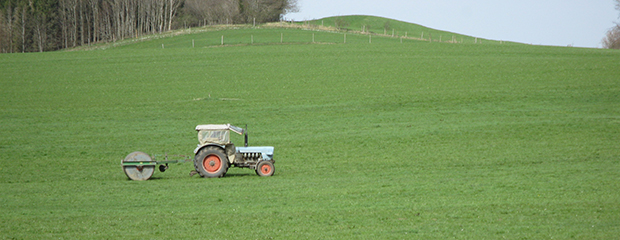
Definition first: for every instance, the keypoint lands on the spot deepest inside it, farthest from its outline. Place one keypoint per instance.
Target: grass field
(386, 140)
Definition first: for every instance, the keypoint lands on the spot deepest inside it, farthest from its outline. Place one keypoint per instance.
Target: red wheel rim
(265, 169)
(212, 163)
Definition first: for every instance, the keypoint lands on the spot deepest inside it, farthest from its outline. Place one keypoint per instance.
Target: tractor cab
(217, 133)
(215, 152)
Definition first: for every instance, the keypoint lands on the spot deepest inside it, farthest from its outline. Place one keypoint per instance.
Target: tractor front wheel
(265, 169)
(211, 162)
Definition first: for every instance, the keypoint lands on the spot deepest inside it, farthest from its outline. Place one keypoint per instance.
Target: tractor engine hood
(266, 152)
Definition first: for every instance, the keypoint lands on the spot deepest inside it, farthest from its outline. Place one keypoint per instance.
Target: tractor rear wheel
(211, 162)
(265, 169)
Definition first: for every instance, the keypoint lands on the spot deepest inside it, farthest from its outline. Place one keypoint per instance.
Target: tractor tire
(211, 162)
(265, 169)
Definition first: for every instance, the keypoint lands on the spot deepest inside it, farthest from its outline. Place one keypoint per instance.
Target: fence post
(369, 38)
(345, 38)
(222, 39)
(281, 37)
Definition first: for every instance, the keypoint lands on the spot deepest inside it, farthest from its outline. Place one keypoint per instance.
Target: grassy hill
(391, 27)
(383, 140)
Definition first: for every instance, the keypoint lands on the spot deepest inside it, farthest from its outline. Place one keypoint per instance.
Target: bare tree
(612, 38)
(291, 7)
(3, 34)
(265, 10)
(173, 5)
(212, 11)
(231, 9)
(94, 6)
(24, 9)
(340, 22)
(9, 17)
(43, 16)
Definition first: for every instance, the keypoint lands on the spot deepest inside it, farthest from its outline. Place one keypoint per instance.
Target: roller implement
(212, 158)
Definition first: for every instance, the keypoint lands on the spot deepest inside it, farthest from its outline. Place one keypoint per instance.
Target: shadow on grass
(228, 175)
(240, 175)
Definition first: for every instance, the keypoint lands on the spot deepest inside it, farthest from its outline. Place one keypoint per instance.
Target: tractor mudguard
(206, 145)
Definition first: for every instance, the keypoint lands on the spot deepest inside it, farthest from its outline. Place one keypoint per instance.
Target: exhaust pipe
(246, 135)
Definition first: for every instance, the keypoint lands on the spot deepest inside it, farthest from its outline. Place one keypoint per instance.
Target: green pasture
(381, 140)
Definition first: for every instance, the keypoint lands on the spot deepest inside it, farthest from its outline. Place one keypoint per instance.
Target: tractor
(213, 156)
(216, 153)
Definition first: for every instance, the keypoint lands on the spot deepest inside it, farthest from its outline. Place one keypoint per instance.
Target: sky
(580, 23)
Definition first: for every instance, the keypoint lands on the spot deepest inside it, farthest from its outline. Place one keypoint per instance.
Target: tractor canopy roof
(216, 127)
(216, 133)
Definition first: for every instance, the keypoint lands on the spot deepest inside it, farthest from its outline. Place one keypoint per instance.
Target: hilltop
(390, 28)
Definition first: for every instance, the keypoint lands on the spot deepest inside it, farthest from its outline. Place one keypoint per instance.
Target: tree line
(48, 25)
